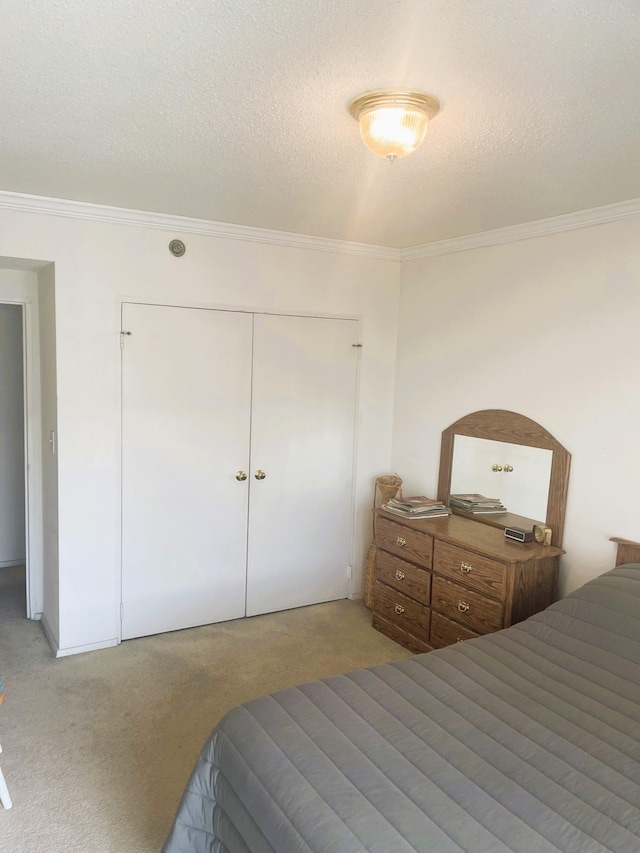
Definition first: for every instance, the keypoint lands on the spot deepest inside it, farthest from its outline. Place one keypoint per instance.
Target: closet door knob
(259, 475)
(241, 475)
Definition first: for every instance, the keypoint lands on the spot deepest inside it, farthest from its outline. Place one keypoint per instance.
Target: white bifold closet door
(205, 395)
(302, 434)
(186, 398)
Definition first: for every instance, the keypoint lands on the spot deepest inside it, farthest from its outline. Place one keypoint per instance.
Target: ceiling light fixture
(393, 122)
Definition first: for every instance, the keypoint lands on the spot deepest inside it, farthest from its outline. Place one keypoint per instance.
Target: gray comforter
(527, 740)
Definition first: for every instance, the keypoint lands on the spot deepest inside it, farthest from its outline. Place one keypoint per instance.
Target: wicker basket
(389, 486)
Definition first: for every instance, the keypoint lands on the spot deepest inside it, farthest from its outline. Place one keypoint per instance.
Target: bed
(525, 740)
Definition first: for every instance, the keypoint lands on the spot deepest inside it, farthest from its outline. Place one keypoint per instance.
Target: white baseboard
(72, 650)
(53, 643)
(355, 596)
(91, 647)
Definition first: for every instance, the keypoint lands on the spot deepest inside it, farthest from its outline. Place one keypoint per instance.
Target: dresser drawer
(403, 576)
(391, 630)
(405, 542)
(445, 632)
(466, 607)
(458, 564)
(402, 611)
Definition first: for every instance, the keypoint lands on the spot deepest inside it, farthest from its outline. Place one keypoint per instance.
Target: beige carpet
(13, 593)
(98, 747)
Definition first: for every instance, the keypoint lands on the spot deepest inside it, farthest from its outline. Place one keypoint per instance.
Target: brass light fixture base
(377, 99)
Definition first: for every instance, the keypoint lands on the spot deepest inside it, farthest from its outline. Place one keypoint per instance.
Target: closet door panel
(186, 392)
(302, 437)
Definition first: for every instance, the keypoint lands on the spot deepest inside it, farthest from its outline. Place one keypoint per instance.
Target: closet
(237, 463)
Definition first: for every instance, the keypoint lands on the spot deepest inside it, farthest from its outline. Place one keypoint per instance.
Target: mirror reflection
(516, 474)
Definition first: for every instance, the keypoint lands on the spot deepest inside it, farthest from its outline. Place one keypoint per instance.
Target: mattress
(525, 740)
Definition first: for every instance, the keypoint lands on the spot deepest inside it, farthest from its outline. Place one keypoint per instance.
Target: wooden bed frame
(628, 551)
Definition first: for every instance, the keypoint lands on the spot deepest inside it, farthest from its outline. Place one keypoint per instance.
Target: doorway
(13, 545)
(26, 294)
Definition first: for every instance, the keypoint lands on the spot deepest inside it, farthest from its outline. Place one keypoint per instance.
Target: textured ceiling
(236, 110)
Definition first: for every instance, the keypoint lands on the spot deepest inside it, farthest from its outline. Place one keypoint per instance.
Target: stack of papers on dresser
(477, 504)
(416, 507)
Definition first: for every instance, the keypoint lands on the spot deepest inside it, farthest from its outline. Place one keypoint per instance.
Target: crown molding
(526, 231)
(187, 225)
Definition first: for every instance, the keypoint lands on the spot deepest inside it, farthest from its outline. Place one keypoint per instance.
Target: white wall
(12, 485)
(96, 265)
(547, 327)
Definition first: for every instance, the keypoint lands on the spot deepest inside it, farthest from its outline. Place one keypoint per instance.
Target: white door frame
(32, 453)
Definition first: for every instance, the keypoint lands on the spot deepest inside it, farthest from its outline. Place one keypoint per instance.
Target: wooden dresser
(443, 580)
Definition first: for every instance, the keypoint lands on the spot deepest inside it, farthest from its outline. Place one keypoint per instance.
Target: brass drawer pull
(463, 606)
(465, 567)
(400, 542)
(399, 575)
(399, 609)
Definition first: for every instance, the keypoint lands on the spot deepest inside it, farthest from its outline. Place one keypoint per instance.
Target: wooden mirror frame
(510, 427)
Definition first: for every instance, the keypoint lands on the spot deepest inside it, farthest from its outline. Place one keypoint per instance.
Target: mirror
(519, 476)
(531, 473)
